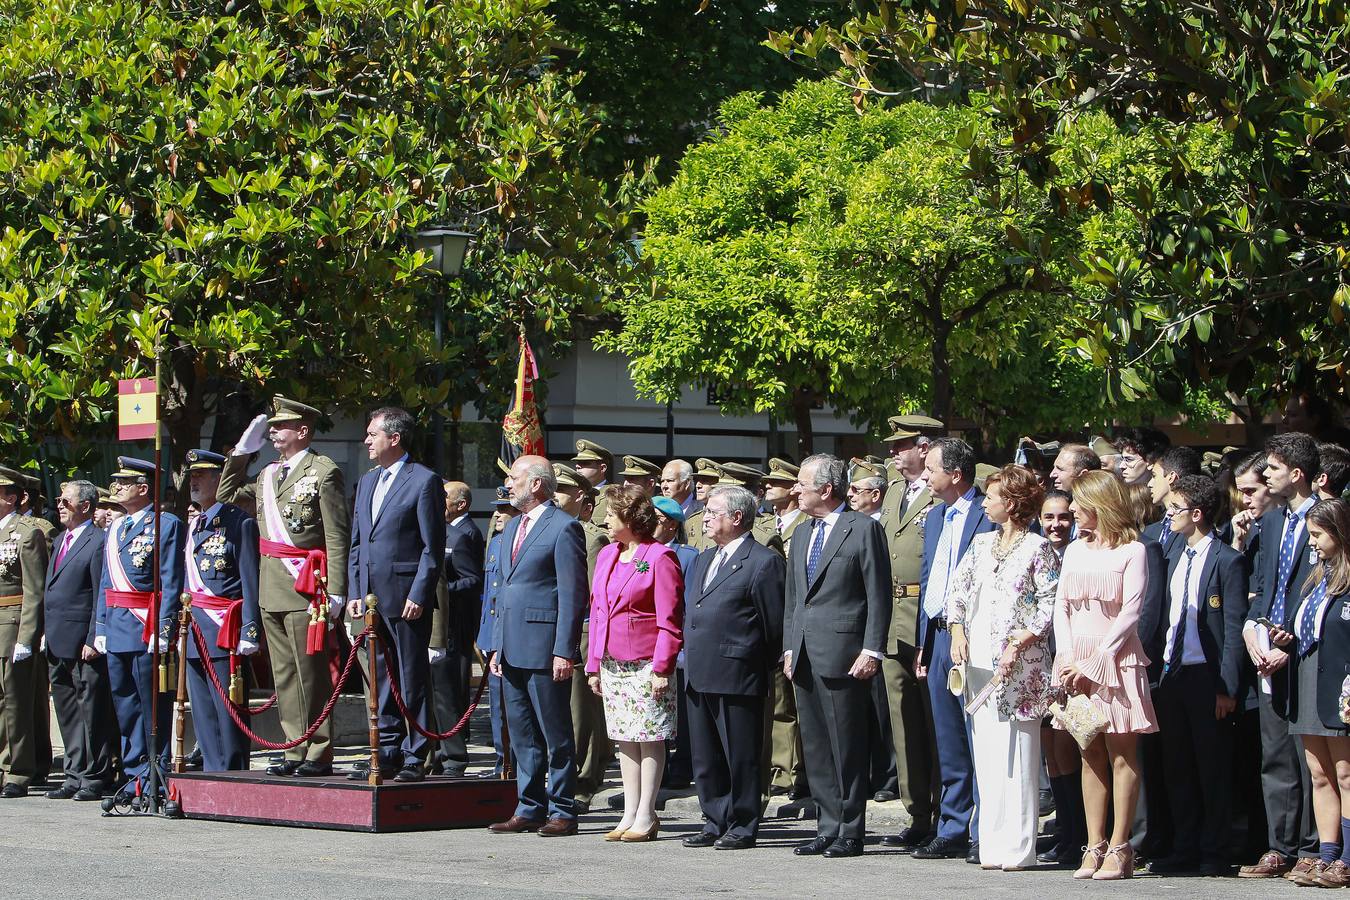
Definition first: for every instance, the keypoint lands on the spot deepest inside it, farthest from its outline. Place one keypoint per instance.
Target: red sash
(136, 601)
(314, 560)
(227, 637)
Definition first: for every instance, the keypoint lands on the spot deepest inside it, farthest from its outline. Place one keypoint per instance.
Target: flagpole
(153, 771)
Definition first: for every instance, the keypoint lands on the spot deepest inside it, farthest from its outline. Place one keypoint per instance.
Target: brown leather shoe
(1336, 875)
(1306, 871)
(557, 826)
(1272, 864)
(516, 825)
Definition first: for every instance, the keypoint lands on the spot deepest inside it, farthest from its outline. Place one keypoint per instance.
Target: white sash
(276, 524)
(117, 574)
(197, 586)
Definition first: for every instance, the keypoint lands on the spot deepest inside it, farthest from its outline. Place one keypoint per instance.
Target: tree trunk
(942, 374)
(801, 416)
(235, 408)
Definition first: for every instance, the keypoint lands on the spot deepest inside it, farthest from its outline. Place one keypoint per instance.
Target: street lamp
(446, 247)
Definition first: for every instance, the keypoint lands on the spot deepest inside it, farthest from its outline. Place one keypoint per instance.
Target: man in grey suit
(836, 619)
(78, 672)
(537, 631)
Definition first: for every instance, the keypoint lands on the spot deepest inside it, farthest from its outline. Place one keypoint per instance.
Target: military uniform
(42, 725)
(220, 573)
(765, 530)
(24, 549)
(591, 452)
(123, 626)
(708, 473)
(594, 751)
(902, 517)
(492, 582)
(302, 506)
(635, 468)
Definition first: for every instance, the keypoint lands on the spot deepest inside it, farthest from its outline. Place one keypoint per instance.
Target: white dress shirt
(947, 556)
(383, 483)
(720, 558)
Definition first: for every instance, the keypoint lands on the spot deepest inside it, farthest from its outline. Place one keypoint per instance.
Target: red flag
(522, 435)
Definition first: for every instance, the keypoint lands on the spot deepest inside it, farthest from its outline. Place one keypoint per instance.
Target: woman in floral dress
(1001, 607)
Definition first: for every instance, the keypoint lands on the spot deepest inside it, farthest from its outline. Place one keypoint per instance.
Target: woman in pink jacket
(636, 617)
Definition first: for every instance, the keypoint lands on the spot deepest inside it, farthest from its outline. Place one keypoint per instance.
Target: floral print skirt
(631, 712)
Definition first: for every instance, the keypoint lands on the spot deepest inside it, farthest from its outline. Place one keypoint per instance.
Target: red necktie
(520, 538)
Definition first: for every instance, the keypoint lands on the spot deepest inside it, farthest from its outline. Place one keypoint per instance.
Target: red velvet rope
(408, 716)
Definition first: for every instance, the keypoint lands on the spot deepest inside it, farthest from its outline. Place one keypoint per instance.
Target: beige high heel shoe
(1092, 861)
(1124, 858)
(637, 837)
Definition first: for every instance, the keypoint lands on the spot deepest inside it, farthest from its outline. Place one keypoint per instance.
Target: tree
(236, 185)
(818, 251)
(1243, 276)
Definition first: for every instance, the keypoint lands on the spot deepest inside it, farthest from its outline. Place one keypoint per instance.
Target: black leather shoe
(1056, 856)
(973, 857)
(313, 770)
(284, 769)
(942, 848)
(13, 791)
(813, 847)
(844, 847)
(798, 793)
(62, 793)
(702, 839)
(410, 773)
(884, 796)
(84, 795)
(735, 842)
(1046, 803)
(456, 772)
(908, 840)
(363, 773)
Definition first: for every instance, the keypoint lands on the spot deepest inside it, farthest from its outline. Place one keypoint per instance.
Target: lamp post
(447, 248)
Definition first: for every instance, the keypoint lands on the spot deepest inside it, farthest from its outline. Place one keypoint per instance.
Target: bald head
(458, 500)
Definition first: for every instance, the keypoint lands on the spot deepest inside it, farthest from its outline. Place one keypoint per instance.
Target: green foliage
(1241, 275)
(871, 257)
(237, 183)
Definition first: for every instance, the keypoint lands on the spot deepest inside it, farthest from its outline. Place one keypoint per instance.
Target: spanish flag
(137, 409)
(522, 434)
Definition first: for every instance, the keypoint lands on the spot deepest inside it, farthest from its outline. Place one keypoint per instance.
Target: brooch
(642, 566)
(1214, 601)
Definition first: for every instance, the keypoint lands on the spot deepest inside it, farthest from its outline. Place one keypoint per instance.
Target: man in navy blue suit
(123, 629)
(487, 624)
(538, 628)
(395, 561)
(78, 673)
(220, 572)
(948, 529)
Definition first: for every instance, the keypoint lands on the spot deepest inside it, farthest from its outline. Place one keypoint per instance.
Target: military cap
(105, 500)
(501, 502)
(636, 466)
(32, 484)
(10, 477)
(131, 469)
(590, 451)
(204, 461)
(1102, 447)
(669, 508)
(863, 469)
(570, 477)
(1210, 461)
(982, 473)
(739, 473)
(782, 470)
(913, 426)
(285, 410)
(706, 468)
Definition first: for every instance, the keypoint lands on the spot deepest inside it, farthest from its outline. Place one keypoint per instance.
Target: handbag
(1079, 716)
(1345, 700)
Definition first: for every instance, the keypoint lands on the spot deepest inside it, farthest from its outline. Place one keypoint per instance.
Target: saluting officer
(221, 575)
(304, 526)
(23, 572)
(123, 628)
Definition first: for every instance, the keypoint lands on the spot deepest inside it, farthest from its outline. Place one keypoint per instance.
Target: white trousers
(1007, 773)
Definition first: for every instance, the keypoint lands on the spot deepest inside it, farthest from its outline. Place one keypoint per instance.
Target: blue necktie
(1286, 566)
(1167, 533)
(813, 557)
(1179, 639)
(1307, 623)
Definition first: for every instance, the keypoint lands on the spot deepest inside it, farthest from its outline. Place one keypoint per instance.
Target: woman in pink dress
(1101, 590)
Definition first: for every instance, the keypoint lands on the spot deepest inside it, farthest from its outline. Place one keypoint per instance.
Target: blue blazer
(543, 594)
(120, 626)
(228, 569)
(70, 598)
(1266, 574)
(492, 582)
(976, 523)
(398, 555)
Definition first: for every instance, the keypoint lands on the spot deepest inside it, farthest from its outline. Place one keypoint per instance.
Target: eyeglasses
(1173, 510)
(712, 514)
(66, 504)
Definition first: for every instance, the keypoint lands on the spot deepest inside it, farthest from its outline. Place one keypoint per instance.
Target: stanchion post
(180, 701)
(374, 777)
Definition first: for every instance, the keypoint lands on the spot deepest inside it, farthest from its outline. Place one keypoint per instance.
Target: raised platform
(336, 803)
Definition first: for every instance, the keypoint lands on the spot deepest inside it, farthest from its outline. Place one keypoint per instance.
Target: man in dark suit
(538, 627)
(838, 609)
(733, 635)
(1282, 565)
(395, 561)
(503, 511)
(948, 530)
(221, 573)
(1197, 686)
(78, 673)
(455, 625)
